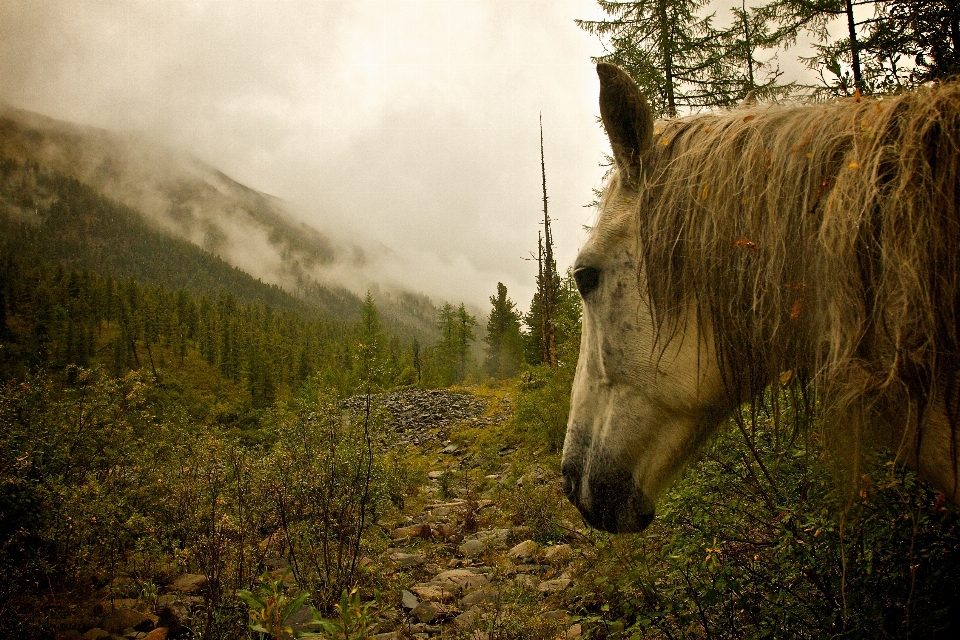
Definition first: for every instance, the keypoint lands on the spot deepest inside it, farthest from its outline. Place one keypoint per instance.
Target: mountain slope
(171, 196)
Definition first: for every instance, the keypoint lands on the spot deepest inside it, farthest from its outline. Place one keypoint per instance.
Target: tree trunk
(666, 48)
(854, 48)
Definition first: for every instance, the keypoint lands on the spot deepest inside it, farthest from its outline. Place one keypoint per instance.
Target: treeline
(60, 219)
(682, 60)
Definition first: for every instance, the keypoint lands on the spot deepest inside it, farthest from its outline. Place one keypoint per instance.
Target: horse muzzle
(607, 497)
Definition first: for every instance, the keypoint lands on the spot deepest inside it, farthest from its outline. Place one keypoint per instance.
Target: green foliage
(543, 404)
(504, 342)
(103, 476)
(679, 59)
(566, 323)
(327, 487)
(353, 618)
(449, 361)
(270, 607)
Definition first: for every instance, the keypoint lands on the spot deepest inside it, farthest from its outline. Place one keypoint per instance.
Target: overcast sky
(409, 123)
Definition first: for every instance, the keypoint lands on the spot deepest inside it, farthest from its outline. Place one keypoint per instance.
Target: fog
(407, 127)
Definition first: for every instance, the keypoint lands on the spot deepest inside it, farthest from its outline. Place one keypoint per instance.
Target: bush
(543, 404)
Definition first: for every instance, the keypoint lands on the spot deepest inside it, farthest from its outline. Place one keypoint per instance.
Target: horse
(738, 255)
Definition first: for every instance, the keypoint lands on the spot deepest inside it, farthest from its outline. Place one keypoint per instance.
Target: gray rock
(427, 612)
(463, 578)
(477, 597)
(406, 560)
(472, 548)
(523, 551)
(554, 586)
(408, 600)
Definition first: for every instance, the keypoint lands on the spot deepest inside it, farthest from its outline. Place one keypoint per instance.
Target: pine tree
(813, 17)
(675, 55)
(504, 342)
(371, 352)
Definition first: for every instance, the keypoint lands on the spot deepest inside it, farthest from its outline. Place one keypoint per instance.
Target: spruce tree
(674, 55)
(504, 343)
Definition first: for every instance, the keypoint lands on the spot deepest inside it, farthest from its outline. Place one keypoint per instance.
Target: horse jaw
(641, 404)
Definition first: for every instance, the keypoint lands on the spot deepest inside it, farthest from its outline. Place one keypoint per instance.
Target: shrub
(543, 404)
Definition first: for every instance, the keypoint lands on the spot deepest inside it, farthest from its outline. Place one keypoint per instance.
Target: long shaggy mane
(822, 245)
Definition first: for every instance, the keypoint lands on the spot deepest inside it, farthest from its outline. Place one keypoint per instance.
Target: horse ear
(626, 117)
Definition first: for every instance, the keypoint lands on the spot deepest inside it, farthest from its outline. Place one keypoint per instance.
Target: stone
(444, 532)
(390, 635)
(450, 449)
(414, 531)
(300, 619)
(160, 633)
(189, 583)
(527, 581)
(478, 596)
(463, 578)
(441, 512)
(408, 600)
(96, 634)
(558, 554)
(574, 631)
(427, 612)
(525, 550)
(434, 593)
(435, 475)
(472, 548)
(406, 560)
(556, 614)
(468, 618)
(554, 586)
(119, 619)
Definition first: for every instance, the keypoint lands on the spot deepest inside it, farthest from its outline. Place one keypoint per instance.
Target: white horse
(810, 247)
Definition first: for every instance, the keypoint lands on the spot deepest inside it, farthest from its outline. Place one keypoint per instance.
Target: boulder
(428, 612)
(558, 554)
(406, 560)
(434, 593)
(413, 531)
(463, 578)
(472, 548)
(554, 586)
(189, 583)
(119, 619)
(523, 551)
(478, 596)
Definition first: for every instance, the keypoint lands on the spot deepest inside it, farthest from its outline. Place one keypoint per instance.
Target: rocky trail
(458, 564)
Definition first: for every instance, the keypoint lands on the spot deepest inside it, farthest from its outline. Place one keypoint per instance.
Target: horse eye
(587, 279)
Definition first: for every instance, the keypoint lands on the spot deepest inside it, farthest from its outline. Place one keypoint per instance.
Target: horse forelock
(821, 242)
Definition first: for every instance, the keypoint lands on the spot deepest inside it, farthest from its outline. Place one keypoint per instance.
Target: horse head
(645, 397)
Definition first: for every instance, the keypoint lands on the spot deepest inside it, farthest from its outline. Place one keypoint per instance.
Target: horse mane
(822, 244)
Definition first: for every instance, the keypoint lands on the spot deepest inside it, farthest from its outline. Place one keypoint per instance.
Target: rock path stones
(421, 415)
